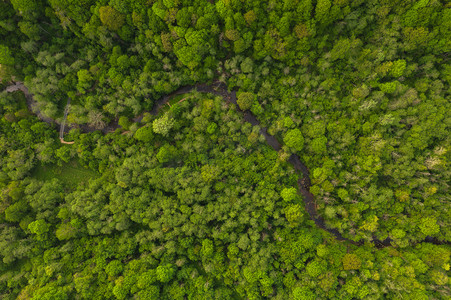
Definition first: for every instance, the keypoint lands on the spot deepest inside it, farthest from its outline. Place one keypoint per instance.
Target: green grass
(70, 173)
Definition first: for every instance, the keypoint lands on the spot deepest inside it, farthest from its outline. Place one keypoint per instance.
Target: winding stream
(220, 89)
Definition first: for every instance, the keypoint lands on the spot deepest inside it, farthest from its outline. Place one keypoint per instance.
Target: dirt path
(220, 89)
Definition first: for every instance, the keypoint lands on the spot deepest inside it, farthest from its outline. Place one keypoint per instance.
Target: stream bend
(220, 89)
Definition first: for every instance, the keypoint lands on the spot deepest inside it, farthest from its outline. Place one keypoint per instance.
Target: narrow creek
(220, 89)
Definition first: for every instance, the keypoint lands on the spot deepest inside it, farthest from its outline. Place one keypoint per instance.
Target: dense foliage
(192, 203)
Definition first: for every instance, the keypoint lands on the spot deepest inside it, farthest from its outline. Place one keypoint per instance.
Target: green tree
(114, 268)
(398, 68)
(6, 57)
(189, 56)
(318, 145)
(245, 100)
(63, 153)
(163, 124)
(429, 226)
(294, 214)
(322, 11)
(316, 267)
(210, 172)
(165, 272)
(294, 139)
(124, 122)
(351, 262)
(16, 211)
(303, 293)
(144, 134)
(85, 80)
(111, 18)
(207, 248)
(289, 194)
(166, 153)
(39, 227)
(29, 9)
(66, 231)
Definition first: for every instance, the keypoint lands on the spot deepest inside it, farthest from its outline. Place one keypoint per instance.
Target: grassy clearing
(70, 173)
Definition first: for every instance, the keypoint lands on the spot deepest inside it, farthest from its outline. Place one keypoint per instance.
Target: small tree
(351, 262)
(294, 214)
(166, 153)
(289, 194)
(163, 125)
(114, 268)
(294, 139)
(65, 231)
(165, 273)
(429, 226)
(63, 153)
(84, 80)
(124, 122)
(245, 100)
(5, 56)
(144, 134)
(111, 18)
(39, 227)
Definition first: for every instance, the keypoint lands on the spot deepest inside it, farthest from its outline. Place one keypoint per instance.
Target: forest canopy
(225, 149)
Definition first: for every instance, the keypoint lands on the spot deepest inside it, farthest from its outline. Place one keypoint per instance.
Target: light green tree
(429, 226)
(163, 125)
(39, 227)
(289, 194)
(294, 139)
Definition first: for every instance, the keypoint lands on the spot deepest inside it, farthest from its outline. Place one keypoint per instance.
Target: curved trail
(220, 89)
